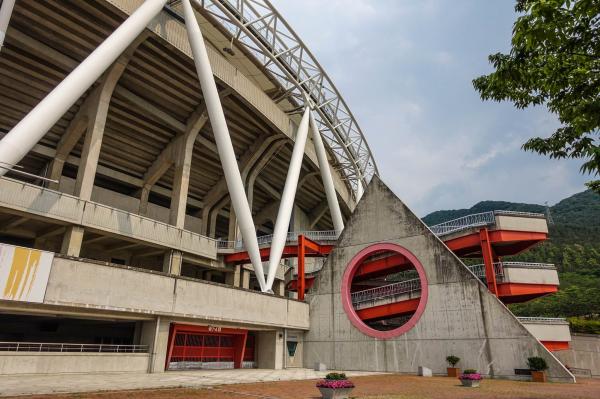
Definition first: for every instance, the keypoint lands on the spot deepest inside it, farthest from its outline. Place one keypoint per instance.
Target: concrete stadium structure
(182, 186)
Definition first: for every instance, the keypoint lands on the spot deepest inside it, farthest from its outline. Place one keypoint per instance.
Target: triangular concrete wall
(461, 318)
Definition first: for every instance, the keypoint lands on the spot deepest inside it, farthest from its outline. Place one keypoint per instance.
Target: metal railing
(477, 220)
(479, 270)
(465, 222)
(292, 237)
(385, 291)
(529, 265)
(63, 347)
(543, 320)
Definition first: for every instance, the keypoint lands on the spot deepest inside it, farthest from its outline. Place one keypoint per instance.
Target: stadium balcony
(553, 333)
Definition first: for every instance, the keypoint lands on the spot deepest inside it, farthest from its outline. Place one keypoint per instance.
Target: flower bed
(470, 378)
(335, 384)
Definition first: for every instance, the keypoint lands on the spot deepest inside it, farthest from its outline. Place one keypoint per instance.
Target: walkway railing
(543, 320)
(292, 237)
(62, 347)
(477, 220)
(385, 291)
(479, 270)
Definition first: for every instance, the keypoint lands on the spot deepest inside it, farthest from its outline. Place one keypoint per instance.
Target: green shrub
(537, 363)
(585, 326)
(452, 360)
(470, 371)
(336, 376)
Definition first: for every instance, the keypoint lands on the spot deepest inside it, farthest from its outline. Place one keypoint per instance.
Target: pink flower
(335, 384)
(474, 377)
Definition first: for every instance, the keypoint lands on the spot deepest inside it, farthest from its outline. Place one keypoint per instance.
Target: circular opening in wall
(384, 290)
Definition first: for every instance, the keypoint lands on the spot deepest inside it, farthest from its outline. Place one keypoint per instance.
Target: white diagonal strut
(25, 135)
(5, 13)
(287, 198)
(334, 206)
(223, 141)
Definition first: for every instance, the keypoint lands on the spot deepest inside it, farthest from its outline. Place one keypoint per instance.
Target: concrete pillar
(279, 287)
(245, 278)
(55, 172)
(143, 209)
(91, 150)
(270, 347)
(172, 262)
(234, 278)
(155, 334)
(233, 226)
(72, 241)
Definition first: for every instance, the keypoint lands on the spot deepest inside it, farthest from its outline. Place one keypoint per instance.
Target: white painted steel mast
(25, 135)
(231, 170)
(332, 201)
(287, 198)
(5, 13)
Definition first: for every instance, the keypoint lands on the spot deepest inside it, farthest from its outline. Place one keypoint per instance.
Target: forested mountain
(573, 246)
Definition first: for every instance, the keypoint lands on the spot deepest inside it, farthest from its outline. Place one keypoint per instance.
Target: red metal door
(203, 347)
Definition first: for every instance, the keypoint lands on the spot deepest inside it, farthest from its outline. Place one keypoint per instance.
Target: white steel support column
(5, 13)
(287, 198)
(25, 135)
(223, 141)
(334, 206)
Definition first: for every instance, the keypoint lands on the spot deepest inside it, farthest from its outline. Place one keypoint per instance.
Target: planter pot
(470, 383)
(330, 393)
(538, 376)
(453, 372)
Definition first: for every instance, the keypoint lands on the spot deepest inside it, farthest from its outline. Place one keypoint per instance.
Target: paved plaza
(72, 383)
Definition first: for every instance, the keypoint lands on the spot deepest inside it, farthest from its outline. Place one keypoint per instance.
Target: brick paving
(382, 386)
(73, 383)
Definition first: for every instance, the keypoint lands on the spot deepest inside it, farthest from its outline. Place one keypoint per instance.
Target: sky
(405, 68)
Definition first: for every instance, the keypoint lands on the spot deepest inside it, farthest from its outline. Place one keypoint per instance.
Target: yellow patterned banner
(24, 273)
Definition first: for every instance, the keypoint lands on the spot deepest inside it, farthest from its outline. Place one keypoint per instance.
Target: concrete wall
(584, 353)
(530, 276)
(53, 363)
(521, 223)
(129, 204)
(77, 283)
(269, 346)
(461, 317)
(549, 332)
(296, 361)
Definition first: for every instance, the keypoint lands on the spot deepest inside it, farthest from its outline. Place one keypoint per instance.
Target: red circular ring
(347, 282)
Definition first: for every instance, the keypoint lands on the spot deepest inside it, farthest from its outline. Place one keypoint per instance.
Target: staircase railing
(385, 291)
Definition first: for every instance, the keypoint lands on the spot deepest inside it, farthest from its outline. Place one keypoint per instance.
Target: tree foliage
(554, 61)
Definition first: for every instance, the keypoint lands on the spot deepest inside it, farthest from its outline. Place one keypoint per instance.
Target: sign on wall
(24, 273)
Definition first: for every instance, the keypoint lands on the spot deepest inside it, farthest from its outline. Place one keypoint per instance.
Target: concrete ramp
(456, 316)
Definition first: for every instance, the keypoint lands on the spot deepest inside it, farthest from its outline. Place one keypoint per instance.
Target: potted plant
(452, 370)
(470, 378)
(538, 367)
(335, 386)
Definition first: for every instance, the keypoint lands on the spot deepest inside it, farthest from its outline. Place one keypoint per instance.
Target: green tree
(554, 61)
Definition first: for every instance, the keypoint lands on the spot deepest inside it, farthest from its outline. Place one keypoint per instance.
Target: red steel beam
(389, 310)
(520, 292)
(381, 267)
(554, 346)
(301, 252)
(488, 260)
(289, 251)
(505, 242)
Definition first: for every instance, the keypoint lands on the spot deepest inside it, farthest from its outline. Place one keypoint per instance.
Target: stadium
(183, 187)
